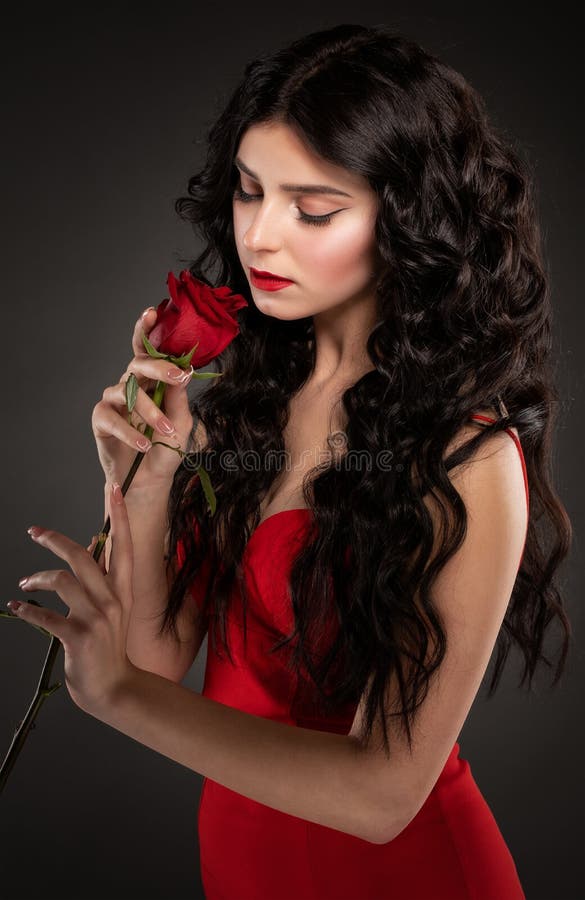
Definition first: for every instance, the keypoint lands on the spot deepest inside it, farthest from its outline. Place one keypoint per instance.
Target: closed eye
(243, 197)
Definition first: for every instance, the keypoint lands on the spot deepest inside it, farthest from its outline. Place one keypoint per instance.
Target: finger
(88, 574)
(106, 423)
(63, 583)
(102, 558)
(158, 370)
(122, 553)
(57, 625)
(176, 398)
(145, 323)
(144, 407)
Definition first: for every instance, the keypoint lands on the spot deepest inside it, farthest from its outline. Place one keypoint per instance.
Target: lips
(268, 281)
(270, 275)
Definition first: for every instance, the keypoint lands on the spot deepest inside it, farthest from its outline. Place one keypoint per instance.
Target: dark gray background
(102, 109)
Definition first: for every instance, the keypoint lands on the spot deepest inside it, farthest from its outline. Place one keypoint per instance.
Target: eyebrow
(295, 188)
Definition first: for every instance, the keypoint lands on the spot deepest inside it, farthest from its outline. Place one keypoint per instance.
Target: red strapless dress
(452, 849)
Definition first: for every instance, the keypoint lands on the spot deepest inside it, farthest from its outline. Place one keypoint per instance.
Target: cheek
(339, 253)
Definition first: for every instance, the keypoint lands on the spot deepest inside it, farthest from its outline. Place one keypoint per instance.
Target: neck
(340, 343)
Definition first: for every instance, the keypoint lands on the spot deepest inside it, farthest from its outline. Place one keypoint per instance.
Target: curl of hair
(463, 323)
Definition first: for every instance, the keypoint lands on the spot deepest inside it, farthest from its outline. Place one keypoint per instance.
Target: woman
(356, 587)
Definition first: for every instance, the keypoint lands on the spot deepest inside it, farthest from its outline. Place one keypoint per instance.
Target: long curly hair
(463, 323)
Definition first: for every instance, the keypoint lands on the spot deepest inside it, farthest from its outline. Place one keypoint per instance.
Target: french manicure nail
(166, 427)
(187, 375)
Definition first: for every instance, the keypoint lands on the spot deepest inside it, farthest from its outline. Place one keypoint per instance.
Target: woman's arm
(316, 775)
(147, 511)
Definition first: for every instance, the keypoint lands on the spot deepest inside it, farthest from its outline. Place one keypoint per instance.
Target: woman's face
(331, 263)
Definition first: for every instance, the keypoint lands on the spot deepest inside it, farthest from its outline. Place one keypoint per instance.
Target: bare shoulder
(496, 463)
(491, 485)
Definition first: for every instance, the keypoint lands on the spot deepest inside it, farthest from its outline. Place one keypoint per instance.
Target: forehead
(276, 153)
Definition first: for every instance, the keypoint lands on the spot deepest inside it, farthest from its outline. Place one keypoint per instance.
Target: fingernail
(14, 604)
(143, 444)
(166, 427)
(186, 376)
(146, 311)
(34, 531)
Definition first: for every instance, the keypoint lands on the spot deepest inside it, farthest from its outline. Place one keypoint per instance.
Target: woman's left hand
(100, 603)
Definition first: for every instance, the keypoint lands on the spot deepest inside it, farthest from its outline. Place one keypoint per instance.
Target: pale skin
(329, 779)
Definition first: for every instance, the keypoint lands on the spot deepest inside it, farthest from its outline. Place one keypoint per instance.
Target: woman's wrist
(146, 496)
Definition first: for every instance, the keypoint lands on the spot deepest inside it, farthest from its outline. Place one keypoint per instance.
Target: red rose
(195, 313)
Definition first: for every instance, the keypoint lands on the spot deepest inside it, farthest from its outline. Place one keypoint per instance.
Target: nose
(262, 234)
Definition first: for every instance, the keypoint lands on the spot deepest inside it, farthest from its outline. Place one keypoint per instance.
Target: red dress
(452, 849)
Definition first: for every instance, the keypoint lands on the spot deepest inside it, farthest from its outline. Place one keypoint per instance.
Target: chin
(277, 309)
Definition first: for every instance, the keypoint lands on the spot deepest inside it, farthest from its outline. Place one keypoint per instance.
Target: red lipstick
(267, 281)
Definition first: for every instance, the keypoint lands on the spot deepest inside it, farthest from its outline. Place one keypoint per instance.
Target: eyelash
(240, 194)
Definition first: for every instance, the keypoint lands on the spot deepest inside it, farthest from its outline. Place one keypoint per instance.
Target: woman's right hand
(118, 441)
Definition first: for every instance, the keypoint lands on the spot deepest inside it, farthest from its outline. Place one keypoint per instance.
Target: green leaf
(151, 350)
(207, 374)
(131, 392)
(184, 361)
(207, 489)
